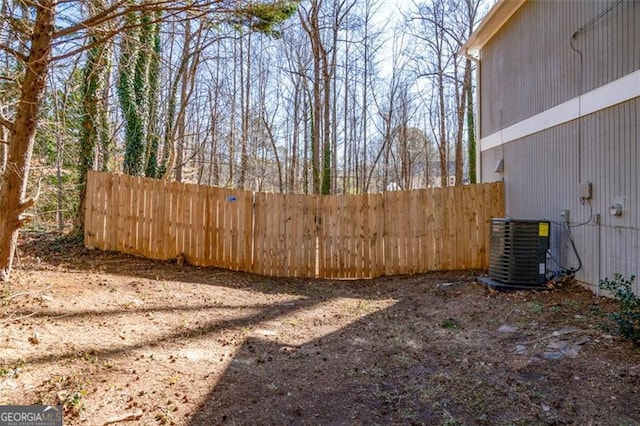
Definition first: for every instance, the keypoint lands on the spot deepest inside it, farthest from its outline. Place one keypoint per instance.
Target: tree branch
(19, 56)
(6, 123)
(119, 9)
(30, 201)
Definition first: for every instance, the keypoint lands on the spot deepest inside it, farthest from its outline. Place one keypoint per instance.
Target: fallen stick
(124, 418)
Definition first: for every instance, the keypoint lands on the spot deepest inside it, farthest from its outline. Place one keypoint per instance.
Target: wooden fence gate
(291, 235)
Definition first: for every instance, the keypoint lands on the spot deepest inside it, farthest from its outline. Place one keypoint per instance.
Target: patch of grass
(450, 324)
(390, 396)
(571, 304)
(12, 371)
(165, 415)
(536, 307)
(74, 404)
(450, 421)
(447, 418)
(70, 392)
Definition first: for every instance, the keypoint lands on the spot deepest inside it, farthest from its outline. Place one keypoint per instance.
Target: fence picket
(90, 210)
(174, 248)
(135, 222)
(461, 238)
(427, 242)
(357, 237)
(322, 219)
(259, 230)
(293, 214)
(310, 236)
(114, 213)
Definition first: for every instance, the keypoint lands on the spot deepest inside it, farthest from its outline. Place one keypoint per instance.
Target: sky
(389, 14)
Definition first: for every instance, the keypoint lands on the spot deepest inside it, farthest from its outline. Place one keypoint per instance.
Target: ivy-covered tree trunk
(13, 186)
(134, 149)
(138, 89)
(107, 142)
(153, 138)
(94, 130)
(136, 145)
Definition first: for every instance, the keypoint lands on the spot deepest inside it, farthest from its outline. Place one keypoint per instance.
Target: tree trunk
(153, 137)
(461, 106)
(308, 117)
(297, 115)
(326, 126)
(365, 107)
(22, 136)
(128, 80)
(214, 170)
(95, 125)
(442, 146)
(346, 168)
(232, 125)
(245, 105)
(316, 123)
(311, 25)
(272, 139)
(471, 131)
(181, 125)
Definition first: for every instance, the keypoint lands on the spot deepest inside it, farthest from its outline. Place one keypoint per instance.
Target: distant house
(559, 106)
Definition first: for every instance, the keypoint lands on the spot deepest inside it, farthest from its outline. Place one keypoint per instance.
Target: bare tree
(442, 26)
(322, 28)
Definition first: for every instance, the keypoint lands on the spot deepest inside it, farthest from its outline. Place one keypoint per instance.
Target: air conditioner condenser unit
(517, 254)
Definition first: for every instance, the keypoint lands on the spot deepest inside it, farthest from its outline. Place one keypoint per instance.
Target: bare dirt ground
(118, 339)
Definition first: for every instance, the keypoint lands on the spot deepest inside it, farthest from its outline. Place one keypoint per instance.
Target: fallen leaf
(35, 339)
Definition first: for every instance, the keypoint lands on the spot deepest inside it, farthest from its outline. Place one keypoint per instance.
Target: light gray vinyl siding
(542, 173)
(529, 66)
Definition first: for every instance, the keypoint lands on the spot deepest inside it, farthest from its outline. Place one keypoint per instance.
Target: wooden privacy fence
(289, 235)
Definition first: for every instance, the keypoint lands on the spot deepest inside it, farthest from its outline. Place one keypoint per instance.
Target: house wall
(529, 67)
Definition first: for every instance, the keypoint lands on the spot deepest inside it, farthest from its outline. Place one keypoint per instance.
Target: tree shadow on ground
(433, 357)
(369, 372)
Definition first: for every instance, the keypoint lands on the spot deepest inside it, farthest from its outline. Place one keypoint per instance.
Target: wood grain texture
(292, 235)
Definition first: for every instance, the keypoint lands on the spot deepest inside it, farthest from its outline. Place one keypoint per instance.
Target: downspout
(476, 61)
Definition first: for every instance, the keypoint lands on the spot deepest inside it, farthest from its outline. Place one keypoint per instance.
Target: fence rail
(290, 235)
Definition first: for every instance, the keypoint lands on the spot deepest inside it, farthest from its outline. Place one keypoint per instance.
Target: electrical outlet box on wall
(585, 190)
